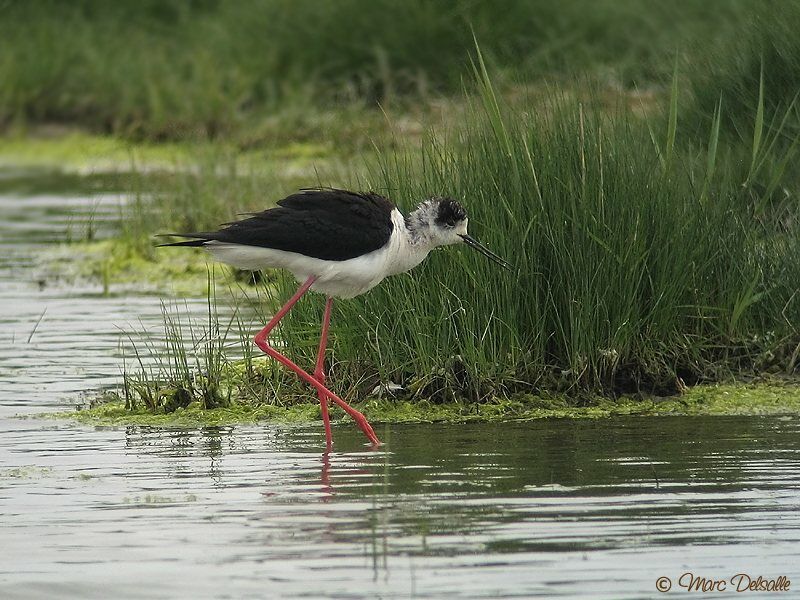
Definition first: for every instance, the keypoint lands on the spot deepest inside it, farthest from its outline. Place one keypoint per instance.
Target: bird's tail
(199, 239)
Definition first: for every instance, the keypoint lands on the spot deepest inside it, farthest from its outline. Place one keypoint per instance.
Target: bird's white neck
(417, 224)
(409, 245)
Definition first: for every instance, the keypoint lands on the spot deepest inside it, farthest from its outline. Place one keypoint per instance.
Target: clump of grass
(639, 263)
(207, 363)
(647, 255)
(642, 262)
(190, 367)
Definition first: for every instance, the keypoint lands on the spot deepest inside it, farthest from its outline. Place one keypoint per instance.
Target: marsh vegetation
(629, 389)
(640, 172)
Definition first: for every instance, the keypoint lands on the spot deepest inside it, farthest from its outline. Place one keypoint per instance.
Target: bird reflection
(325, 478)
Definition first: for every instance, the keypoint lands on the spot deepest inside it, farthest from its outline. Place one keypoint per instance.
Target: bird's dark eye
(450, 222)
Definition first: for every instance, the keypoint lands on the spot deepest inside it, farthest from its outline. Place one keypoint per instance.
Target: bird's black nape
(449, 212)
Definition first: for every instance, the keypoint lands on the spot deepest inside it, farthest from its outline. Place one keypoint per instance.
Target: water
(571, 509)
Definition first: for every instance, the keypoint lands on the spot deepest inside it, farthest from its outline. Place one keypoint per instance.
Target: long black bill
(473, 243)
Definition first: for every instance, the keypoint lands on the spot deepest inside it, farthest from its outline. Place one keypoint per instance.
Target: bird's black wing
(328, 224)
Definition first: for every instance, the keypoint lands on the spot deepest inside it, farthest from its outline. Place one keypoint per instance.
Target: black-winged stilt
(337, 243)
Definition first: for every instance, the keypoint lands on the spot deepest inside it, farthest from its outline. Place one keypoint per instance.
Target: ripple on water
(260, 506)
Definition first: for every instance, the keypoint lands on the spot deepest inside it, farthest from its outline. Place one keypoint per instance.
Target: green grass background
(635, 161)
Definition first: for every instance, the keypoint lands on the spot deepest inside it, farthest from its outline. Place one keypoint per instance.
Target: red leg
(261, 341)
(319, 371)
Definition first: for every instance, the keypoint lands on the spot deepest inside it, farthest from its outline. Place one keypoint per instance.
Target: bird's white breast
(343, 279)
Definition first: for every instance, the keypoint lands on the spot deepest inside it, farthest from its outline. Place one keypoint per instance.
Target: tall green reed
(636, 264)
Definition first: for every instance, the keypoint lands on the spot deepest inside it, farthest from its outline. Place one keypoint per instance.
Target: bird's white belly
(340, 278)
(347, 278)
(343, 279)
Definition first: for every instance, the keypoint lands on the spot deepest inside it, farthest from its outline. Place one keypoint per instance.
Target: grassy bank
(643, 262)
(640, 261)
(651, 216)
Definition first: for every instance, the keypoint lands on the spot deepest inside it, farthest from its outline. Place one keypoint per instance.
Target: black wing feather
(328, 224)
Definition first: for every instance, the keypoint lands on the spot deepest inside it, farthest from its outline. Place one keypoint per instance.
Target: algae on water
(721, 400)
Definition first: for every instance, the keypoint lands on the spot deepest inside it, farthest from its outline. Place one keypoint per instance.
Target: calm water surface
(566, 509)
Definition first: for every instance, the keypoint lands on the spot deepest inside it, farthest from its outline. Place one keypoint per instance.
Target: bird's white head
(442, 222)
(438, 222)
